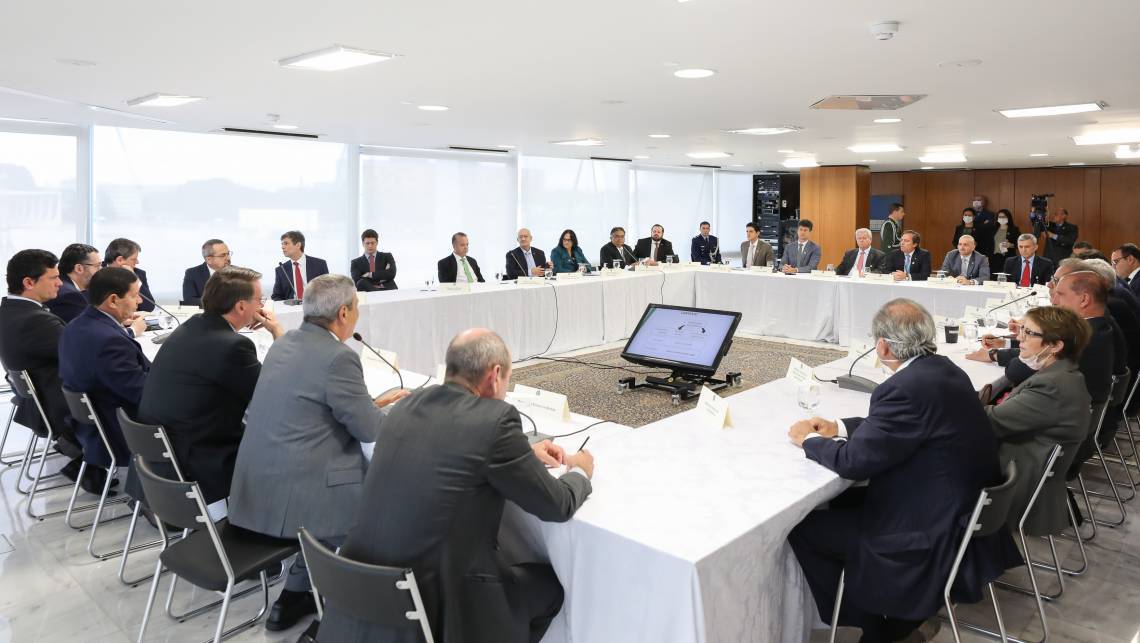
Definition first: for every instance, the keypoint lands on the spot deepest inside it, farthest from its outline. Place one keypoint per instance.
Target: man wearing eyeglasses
(216, 255)
(1126, 263)
(78, 263)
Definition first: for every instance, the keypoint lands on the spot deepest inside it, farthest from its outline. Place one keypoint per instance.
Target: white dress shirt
(1132, 275)
(25, 299)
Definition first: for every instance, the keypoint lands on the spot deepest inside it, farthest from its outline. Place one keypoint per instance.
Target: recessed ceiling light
(33, 120)
(868, 161)
(786, 151)
(613, 101)
(980, 142)
(1128, 152)
(1055, 110)
(736, 165)
(1039, 154)
(864, 148)
(334, 58)
(506, 147)
(800, 162)
(641, 157)
(75, 62)
(888, 120)
(284, 126)
(434, 108)
(927, 167)
(1109, 137)
(708, 155)
(693, 72)
(960, 64)
(1077, 163)
(765, 131)
(162, 100)
(943, 157)
(658, 136)
(581, 142)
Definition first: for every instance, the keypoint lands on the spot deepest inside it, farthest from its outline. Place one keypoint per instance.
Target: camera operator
(1061, 235)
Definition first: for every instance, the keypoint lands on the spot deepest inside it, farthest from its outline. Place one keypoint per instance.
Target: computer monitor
(682, 339)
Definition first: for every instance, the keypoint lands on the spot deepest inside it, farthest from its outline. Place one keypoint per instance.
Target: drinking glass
(548, 273)
(1001, 277)
(616, 264)
(669, 259)
(807, 396)
(970, 333)
(830, 268)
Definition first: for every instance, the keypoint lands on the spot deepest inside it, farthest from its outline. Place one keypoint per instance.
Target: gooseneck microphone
(856, 382)
(1032, 293)
(158, 339)
(375, 352)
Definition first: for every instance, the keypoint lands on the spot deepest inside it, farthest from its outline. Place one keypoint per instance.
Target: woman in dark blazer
(568, 256)
(1008, 233)
(1051, 407)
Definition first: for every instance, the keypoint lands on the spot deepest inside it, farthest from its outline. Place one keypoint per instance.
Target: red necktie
(298, 281)
(859, 268)
(372, 263)
(1024, 275)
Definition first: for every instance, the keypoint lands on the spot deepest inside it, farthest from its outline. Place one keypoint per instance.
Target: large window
(170, 191)
(39, 204)
(416, 203)
(677, 198)
(587, 196)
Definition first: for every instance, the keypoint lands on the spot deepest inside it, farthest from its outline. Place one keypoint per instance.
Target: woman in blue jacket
(568, 256)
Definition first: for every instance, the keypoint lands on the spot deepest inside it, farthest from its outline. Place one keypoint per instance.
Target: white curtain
(734, 210)
(676, 198)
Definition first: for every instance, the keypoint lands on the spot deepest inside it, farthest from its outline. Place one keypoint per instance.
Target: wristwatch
(993, 354)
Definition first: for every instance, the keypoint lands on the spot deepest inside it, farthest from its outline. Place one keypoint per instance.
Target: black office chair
(15, 457)
(377, 594)
(215, 557)
(1119, 393)
(25, 389)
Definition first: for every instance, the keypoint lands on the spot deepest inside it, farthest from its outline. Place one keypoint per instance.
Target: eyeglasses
(225, 255)
(1117, 260)
(90, 265)
(1023, 333)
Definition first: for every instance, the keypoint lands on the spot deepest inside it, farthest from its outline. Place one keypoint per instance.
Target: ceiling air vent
(261, 132)
(867, 102)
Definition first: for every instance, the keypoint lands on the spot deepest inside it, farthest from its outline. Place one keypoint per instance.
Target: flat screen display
(682, 338)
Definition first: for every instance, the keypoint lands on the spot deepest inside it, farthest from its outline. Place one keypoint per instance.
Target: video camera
(1039, 207)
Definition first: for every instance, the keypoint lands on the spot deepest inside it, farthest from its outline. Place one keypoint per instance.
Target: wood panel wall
(837, 199)
(1103, 201)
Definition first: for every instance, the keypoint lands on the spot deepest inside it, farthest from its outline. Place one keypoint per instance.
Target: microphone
(526, 273)
(289, 278)
(624, 253)
(375, 352)
(856, 382)
(158, 339)
(534, 437)
(1032, 293)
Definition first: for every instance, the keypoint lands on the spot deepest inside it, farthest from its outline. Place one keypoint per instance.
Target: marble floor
(51, 590)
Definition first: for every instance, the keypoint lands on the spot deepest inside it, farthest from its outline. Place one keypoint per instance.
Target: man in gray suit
(803, 255)
(448, 459)
(971, 268)
(754, 251)
(300, 463)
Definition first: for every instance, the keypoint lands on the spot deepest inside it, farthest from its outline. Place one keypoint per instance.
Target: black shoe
(71, 469)
(94, 479)
(310, 633)
(290, 608)
(69, 447)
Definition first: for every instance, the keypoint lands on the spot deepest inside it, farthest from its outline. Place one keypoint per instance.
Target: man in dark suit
(29, 341)
(203, 379)
(458, 267)
(373, 270)
(1126, 262)
(968, 266)
(99, 356)
(926, 450)
(525, 260)
(802, 255)
(215, 256)
(78, 263)
(655, 247)
(863, 258)
(124, 253)
(1060, 235)
(1027, 269)
(910, 262)
(448, 459)
(705, 247)
(298, 269)
(616, 250)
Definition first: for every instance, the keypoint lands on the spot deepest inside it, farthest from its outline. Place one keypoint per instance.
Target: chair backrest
(1096, 418)
(1046, 473)
(173, 502)
(148, 442)
(21, 384)
(377, 594)
(1120, 384)
(79, 408)
(995, 503)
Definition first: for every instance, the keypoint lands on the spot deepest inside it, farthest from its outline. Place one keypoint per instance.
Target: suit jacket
(809, 260)
(1104, 355)
(283, 276)
(147, 304)
(978, 270)
(1051, 407)
(563, 262)
(645, 246)
(97, 357)
(1125, 317)
(29, 341)
(919, 263)
(611, 253)
(447, 269)
(516, 262)
(299, 463)
(383, 279)
(1133, 286)
(443, 468)
(198, 388)
(873, 262)
(1061, 247)
(763, 255)
(69, 302)
(982, 232)
(194, 284)
(704, 251)
(926, 451)
(1040, 270)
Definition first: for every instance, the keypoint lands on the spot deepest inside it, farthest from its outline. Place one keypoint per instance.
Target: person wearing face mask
(984, 216)
(1050, 407)
(926, 451)
(1005, 241)
(981, 230)
(447, 461)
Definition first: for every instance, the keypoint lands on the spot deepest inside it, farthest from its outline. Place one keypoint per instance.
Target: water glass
(830, 268)
(616, 264)
(970, 333)
(548, 273)
(807, 396)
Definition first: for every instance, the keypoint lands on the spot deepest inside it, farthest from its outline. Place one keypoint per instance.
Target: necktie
(298, 280)
(653, 256)
(751, 254)
(800, 256)
(467, 271)
(965, 266)
(859, 266)
(1024, 283)
(372, 263)
(906, 265)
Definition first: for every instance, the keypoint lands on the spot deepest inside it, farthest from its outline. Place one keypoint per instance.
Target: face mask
(1003, 221)
(977, 205)
(1037, 361)
(967, 220)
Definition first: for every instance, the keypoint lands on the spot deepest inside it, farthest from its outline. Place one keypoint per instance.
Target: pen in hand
(584, 443)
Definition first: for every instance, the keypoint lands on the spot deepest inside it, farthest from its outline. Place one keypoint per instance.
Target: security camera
(885, 30)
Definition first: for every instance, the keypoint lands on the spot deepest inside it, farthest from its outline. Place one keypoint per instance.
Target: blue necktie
(906, 265)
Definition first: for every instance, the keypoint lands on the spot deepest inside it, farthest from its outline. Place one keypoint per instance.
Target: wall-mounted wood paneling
(1119, 206)
(946, 194)
(837, 200)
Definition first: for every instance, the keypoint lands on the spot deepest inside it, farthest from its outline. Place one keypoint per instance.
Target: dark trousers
(822, 543)
(535, 597)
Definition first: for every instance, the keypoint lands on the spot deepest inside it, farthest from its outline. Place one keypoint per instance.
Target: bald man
(970, 267)
(525, 261)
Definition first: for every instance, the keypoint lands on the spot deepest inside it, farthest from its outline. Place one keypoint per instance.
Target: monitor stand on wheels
(682, 386)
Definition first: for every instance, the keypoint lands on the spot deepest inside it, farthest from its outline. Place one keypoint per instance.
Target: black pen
(584, 443)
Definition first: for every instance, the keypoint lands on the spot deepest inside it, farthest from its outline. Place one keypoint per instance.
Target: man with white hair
(971, 268)
(300, 463)
(861, 259)
(1027, 269)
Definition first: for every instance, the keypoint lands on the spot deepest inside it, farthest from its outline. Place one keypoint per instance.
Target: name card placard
(823, 273)
(568, 276)
(713, 410)
(530, 281)
(368, 357)
(539, 402)
(974, 312)
(455, 288)
(642, 267)
(720, 267)
(995, 301)
(874, 276)
(799, 373)
(761, 269)
(1007, 286)
(692, 264)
